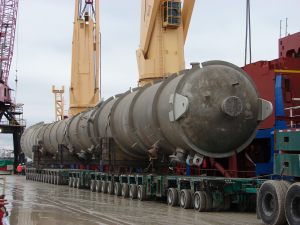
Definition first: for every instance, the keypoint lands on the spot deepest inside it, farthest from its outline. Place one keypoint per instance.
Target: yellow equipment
(164, 27)
(85, 73)
(59, 102)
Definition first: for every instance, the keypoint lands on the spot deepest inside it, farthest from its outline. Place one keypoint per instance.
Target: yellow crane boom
(85, 72)
(164, 27)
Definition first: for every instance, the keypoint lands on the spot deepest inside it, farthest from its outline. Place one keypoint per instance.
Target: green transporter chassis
(203, 193)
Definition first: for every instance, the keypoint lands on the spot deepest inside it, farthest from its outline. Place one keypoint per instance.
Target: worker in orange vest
(19, 169)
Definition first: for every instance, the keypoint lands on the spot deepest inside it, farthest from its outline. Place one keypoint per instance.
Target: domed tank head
(224, 109)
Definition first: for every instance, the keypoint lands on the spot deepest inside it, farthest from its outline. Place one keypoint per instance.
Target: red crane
(8, 20)
(11, 114)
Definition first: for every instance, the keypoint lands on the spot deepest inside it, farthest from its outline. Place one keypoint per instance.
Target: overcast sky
(217, 31)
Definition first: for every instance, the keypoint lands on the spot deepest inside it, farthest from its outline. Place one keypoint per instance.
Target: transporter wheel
(58, 180)
(93, 185)
(118, 189)
(104, 187)
(227, 203)
(172, 197)
(186, 199)
(70, 181)
(141, 193)
(244, 204)
(271, 202)
(292, 204)
(199, 201)
(110, 188)
(209, 201)
(125, 190)
(133, 191)
(77, 185)
(74, 182)
(98, 186)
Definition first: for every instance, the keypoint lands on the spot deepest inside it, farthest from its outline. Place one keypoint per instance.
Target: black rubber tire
(227, 202)
(70, 181)
(133, 191)
(93, 186)
(104, 187)
(118, 189)
(142, 195)
(209, 201)
(98, 186)
(185, 199)
(292, 204)
(271, 202)
(173, 197)
(199, 201)
(110, 188)
(77, 185)
(125, 190)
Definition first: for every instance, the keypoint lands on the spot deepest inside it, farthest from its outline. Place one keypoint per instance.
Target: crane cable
(248, 33)
(17, 54)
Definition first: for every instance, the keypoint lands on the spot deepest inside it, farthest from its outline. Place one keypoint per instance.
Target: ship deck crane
(85, 72)
(164, 28)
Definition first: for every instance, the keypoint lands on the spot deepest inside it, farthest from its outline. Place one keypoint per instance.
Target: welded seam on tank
(91, 121)
(130, 121)
(97, 118)
(155, 110)
(112, 124)
(180, 85)
(68, 135)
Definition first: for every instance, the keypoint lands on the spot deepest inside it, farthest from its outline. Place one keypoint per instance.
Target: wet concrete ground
(35, 203)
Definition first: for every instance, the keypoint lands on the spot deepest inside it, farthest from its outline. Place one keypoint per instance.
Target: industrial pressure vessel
(211, 111)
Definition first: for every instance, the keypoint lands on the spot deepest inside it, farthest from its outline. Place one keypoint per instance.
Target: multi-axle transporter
(199, 114)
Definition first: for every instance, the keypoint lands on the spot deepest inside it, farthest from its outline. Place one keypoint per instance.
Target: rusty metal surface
(32, 203)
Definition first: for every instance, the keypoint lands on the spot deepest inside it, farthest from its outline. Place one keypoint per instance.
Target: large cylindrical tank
(212, 111)
(29, 138)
